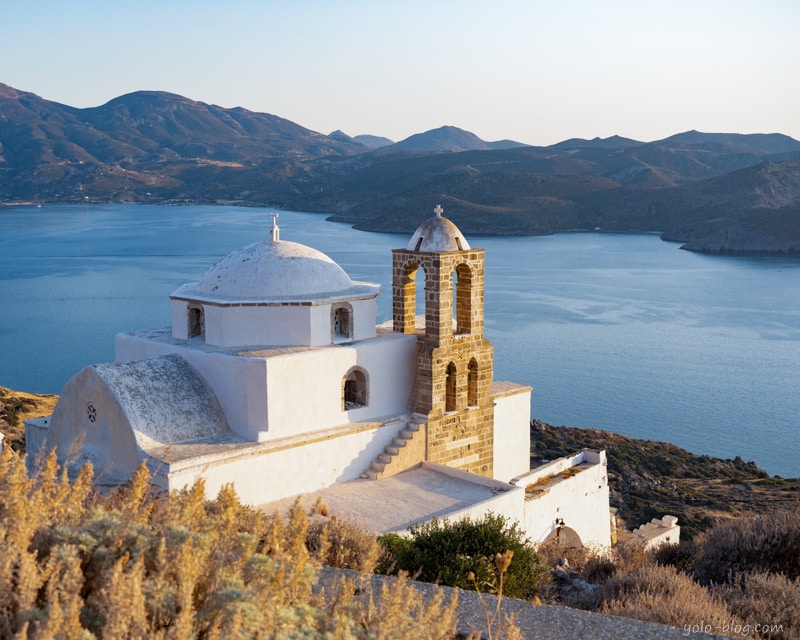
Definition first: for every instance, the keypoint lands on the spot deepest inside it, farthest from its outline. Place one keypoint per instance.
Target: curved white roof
(273, 269)
(438, 234)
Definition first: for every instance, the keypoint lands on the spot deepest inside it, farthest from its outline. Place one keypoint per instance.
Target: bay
(619, 332)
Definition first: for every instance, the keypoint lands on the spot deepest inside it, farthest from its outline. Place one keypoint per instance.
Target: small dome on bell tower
(438, 234)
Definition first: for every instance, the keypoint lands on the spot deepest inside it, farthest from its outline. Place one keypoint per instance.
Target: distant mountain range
(714, 192)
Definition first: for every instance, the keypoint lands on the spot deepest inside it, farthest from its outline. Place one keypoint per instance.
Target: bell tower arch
(452, 391)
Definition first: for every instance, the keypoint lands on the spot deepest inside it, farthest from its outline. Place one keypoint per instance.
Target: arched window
(354, 389)
(409, 299)
(342, 321)
(472, 383)
(197, 323)
(451, 388)
(462, 298)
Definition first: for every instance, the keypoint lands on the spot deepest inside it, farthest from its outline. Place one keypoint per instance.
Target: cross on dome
(276, 235)
(438, 210)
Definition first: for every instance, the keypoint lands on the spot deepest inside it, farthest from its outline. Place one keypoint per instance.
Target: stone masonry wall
(460, 435)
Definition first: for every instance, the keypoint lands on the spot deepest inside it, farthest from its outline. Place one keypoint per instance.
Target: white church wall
(89, 420)
(180, 319)
(365, 313)
(259, 478)
(295, 392)
(579, 500)
(36, 436)
(306, 387)
(320, 325)
(258, 325)
(239, 383)
(512, 434)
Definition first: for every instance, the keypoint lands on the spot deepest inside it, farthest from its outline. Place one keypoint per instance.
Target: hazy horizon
(535, 72)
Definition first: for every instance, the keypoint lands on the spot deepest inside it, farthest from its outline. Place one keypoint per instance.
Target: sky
(534, 71)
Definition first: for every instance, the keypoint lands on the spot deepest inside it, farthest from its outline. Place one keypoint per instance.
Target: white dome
(273, 269)
(437, 234)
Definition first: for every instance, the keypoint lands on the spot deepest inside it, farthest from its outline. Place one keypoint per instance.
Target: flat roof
(392, 504)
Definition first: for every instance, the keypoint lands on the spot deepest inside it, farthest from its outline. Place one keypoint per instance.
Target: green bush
(446, 553)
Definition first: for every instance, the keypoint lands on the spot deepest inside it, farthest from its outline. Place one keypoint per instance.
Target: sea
(621, 332)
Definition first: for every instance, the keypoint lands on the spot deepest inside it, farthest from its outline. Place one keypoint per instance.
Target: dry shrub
(78, 564)
(343, 545)
(398, 611)
(660, 594)
(681, 556)
(764, 543)
(767, 600)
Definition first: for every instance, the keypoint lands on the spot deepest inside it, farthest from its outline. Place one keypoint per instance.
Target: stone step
(383, 460)
(377, 466)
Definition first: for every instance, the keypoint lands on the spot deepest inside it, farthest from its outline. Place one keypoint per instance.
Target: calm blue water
(619, 332)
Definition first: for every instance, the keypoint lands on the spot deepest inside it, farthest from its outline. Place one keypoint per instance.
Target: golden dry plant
(656, 593)
(133, 564)
(499, 623)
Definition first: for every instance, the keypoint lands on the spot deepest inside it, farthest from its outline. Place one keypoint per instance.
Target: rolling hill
(712, 191)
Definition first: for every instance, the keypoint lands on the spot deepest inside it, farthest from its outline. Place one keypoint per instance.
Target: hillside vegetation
(131, 563)
(649, 479)
(18, 406)
(78, 564)
(717, 192)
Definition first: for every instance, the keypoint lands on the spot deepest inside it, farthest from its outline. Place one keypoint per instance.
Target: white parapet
(658, 532)
(567, 500)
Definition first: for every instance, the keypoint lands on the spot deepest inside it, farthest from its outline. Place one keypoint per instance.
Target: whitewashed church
(275, 377)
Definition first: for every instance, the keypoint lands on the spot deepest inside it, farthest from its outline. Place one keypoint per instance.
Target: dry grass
(343, 545)
(661, 594)
(769, 542)
(16, 407)
(766, 599)
(739, 579)
(76, 564)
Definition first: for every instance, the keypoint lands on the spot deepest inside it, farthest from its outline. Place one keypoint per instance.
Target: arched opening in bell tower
(451, 388)
(462, 299)
(472, 383)
(412, 295)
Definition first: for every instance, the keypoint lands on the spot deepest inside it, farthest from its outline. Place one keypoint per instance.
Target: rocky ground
(650, 479)
(16, 407)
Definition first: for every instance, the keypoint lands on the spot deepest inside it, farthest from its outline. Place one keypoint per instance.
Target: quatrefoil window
(91, 412)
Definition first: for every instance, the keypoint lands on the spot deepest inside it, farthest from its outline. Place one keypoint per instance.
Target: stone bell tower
(452, 391)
